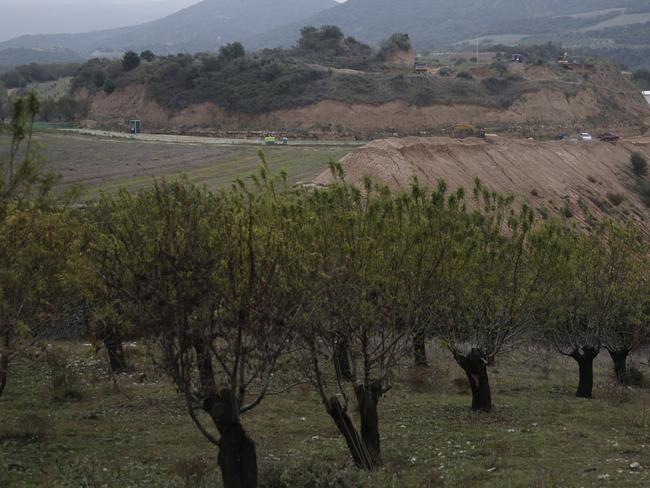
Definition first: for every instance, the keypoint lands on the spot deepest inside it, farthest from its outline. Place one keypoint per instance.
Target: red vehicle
(608, 137)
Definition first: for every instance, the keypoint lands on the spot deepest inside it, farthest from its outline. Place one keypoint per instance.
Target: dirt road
(178, 139)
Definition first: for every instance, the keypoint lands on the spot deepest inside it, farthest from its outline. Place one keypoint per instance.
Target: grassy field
(135, 432)
(101, 164)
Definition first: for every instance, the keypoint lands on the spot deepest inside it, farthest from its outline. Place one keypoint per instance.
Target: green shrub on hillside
(22, 76)
(109, 87)
(639, 164)
(130, 61)
(147, 55)
(231, 51)
(395, 43)
(642, 78)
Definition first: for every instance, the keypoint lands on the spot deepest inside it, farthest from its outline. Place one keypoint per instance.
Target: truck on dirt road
(608, 137)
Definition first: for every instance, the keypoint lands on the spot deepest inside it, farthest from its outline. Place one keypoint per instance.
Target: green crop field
(300, 163)
(102, 164)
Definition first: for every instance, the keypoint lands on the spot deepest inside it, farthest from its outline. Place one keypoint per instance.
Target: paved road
(176, 139)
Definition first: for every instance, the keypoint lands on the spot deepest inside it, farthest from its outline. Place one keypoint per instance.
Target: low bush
(615, 198)
(639, 164)
(64, 380)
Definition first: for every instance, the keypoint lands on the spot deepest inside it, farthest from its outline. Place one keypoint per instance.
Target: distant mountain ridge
(442, 22)
(203, 26)
(20, 17)
(430, 23)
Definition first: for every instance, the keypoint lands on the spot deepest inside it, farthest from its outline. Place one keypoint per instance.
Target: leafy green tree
(348, 239)
(38, 250)
(395, 43)
(130, 61)
(231, 51)
(147, 55)
(497, 270)
(589, 306)
(109, 86)
(108, 323)
(374, 258)
(209, 277)
(39, 242)
(325, 38)
(22, 172)
(627, 326)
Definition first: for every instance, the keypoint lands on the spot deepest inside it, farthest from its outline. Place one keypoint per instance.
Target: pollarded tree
(373, 260)
(353, 244)
(210, 279)
(38, 242)
(433, 220)
(39, 249)
(587, 299)
(110, 325)
(627, 327)
(496, 272)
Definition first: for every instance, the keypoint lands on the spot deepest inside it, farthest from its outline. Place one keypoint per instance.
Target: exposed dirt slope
(590, 179)
(563, 103)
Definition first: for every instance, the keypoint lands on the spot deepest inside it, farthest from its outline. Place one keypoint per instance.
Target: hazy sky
(19, 17)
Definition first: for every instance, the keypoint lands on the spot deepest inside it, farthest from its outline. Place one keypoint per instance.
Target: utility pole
(477, 50)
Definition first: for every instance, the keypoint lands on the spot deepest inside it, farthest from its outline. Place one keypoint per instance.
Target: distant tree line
(642, 79)
(22, 76)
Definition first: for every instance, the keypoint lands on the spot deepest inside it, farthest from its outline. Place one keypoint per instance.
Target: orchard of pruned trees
(336, 286)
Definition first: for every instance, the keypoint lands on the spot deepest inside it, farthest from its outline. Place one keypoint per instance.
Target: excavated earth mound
(581, 180)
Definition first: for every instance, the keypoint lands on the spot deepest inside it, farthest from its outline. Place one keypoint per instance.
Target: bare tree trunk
(4, 371)
(420, 349)
(237, 455)
(4, 361)
(342, 362)
(585, 362)
(619, 358)
(475, 366)
(368, 400)
(116, 358)
(346, 427)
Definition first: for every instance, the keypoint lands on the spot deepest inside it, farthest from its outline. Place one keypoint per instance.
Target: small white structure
(646, 94)
(135, 126)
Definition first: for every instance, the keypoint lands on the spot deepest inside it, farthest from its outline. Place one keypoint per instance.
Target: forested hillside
(335, 83)
(441, 22)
